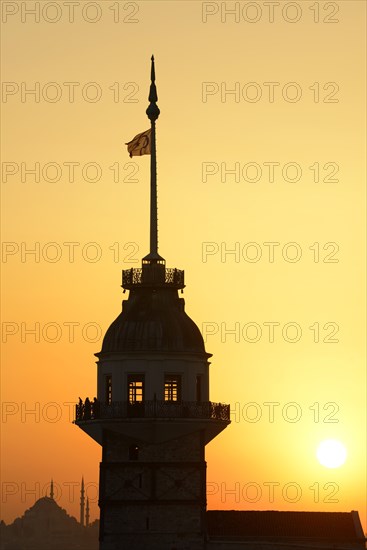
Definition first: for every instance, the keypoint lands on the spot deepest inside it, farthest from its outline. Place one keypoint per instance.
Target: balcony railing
(156, 275)
(94, 410)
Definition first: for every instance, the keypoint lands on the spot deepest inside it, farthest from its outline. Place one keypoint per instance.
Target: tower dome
(154, 319)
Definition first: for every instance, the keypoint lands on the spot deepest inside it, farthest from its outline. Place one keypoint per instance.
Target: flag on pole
(140, 144)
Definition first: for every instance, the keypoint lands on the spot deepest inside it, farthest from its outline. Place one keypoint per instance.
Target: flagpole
(153, 113)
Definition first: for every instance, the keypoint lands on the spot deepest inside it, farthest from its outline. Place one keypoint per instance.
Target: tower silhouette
(152, 415)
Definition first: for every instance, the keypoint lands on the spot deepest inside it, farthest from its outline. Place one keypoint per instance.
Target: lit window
(108, 389)
(172, 388)
(136, 389)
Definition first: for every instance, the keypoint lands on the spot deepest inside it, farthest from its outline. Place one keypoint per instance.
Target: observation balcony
(95, 410)
(153, 275)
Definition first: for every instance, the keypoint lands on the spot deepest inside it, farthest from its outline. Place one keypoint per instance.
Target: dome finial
(153, 109)
(153, 113)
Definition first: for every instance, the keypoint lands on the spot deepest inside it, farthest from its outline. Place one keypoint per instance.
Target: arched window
(133, 452)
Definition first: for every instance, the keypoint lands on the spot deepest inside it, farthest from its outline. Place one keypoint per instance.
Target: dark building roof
(153, 319)
(340, 526)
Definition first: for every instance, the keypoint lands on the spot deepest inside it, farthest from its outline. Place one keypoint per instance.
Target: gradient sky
(310, 56)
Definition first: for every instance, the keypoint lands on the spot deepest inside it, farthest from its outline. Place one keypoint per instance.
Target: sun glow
(331, 453)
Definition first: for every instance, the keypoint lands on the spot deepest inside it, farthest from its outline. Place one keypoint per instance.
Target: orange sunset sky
(260, 151)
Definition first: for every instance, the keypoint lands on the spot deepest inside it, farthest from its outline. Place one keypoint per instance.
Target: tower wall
(155, 367)
(157, 501)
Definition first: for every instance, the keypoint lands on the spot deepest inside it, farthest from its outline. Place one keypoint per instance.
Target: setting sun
(331, 453)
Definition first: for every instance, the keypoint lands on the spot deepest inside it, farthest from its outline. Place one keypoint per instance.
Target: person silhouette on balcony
(87, 409)
(79, 409)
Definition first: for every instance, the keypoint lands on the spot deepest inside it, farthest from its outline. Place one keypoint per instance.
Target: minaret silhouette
(153, 416)
(82, 500)
(52, 489)
(87, 513)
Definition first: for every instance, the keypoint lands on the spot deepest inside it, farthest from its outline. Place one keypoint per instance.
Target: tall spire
(153, 113)
(82, 501)
(153, 272)
(52, 489)
(87, 513)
